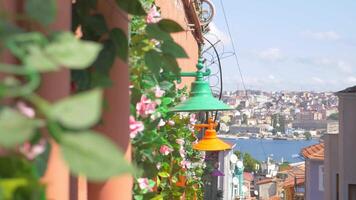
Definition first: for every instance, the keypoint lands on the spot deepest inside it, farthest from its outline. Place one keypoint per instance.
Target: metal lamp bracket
(199, 75)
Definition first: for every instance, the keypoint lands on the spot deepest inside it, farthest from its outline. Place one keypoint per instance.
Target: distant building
(267, 188)
(234, 129)
(293, 181)
(331, 111)
(269, 168)
(310, 125)
(310, 116)
(332, 127)
(314, 171)
(248, 183)
(224, 183)
(304, 116)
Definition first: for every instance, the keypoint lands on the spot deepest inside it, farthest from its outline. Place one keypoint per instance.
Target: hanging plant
(162, 145)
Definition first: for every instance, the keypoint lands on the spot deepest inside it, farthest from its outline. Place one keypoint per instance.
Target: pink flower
(192, 119)
(183, 98)
(180, 141)
(153, 16)
(182, 152)
(130, 87)
(158, 92)
(165, 150)
(143, 183)
(145, 107)
(185, 164)
(25, 109)
(171, 122)
(155, 116)
(135, 127)
(32, 151)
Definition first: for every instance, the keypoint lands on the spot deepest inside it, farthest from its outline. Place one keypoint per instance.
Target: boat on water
(243, 137)
(296, 156)
(279, 138)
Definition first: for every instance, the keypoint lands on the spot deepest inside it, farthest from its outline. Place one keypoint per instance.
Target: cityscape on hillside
(279, 115)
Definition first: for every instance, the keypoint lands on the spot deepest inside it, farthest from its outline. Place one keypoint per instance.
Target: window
(321, 178)
(352, 191)
(337, 186)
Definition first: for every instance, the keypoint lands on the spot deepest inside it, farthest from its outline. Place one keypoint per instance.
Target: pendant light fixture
(210, 141)
(201, 97)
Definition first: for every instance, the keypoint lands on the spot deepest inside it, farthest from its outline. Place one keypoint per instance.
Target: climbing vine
(162, 140)
(167, 166)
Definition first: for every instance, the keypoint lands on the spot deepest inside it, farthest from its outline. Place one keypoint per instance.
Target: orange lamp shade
(210, 142)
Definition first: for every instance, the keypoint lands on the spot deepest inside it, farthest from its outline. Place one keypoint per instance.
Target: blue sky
(289, 44)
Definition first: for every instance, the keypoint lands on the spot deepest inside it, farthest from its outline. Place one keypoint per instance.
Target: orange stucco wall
(174, 9)
(115, 124)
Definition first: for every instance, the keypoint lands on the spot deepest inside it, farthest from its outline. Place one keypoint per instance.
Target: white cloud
(271, 77)
(271, 54)
(344, 66)
(334, 64)
(322, 35)
(216, 34)
(351, 80)
(318, 80)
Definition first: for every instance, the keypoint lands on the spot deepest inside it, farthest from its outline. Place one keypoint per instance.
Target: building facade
(340, 162)
(314, 172)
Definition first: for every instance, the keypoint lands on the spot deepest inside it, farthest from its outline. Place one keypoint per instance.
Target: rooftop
(264, 181)
(314, 152)
(295, 175)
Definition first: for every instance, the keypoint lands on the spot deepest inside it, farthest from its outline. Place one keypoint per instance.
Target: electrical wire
(237, 62)
(233, 47)
(220, 74)
(263, 148)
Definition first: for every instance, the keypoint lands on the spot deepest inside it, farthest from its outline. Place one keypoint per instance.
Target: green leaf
(132, 7)
(9, 186)
(15, 128)
(153, 61)
(94, 25)
(19, 44)
(72, 53)
(106, 57)
(36, 59)
(166, 85)
(80, 111)
(93, 155)
(41, 11)
(167, 100)
(7, 29)
(169, 26)
(172, 48)
(163, 174)
(170, 63)
(154, 31)
(121, 42)
(158, 197)
(40, 162)
(81, 79)
(100, 80)
(138, 197)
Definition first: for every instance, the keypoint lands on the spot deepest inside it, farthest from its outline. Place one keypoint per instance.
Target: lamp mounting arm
(199, 74)
(210, 125)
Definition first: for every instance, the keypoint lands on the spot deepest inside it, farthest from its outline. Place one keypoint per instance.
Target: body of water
(288, 150)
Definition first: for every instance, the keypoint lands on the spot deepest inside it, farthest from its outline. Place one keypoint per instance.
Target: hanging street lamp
(201, 97)
(210, 142)
(202, 100)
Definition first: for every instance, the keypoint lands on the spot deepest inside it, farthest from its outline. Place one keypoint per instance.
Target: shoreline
(246, 137)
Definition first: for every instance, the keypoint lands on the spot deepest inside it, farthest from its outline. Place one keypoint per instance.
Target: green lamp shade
(201, 99)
